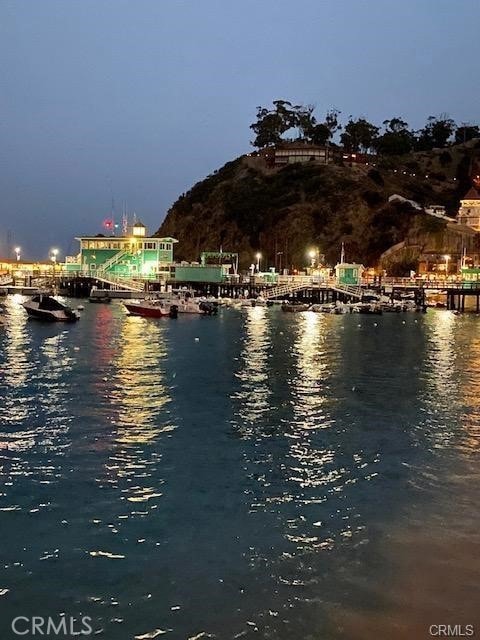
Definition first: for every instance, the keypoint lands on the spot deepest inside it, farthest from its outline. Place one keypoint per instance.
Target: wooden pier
(455, 293)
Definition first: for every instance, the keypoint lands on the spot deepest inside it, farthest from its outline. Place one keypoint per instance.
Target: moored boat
(45, 307)
(152, 309)
(293, 308)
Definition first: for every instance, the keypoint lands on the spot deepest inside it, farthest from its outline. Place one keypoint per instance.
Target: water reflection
(255, 390)
(138, 397)
(35, 417)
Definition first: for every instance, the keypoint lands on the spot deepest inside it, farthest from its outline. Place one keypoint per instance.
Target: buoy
(80, 307)
(76, 348)
(197, 339)
(375, 324)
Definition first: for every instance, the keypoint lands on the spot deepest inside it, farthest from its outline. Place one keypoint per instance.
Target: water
(253, 475)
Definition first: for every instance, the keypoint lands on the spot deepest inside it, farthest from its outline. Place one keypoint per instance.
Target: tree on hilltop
(436, 133)
(272, 124)
(358, 135)
(397, 138)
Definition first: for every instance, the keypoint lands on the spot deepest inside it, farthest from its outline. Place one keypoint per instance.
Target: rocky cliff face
(247, 207)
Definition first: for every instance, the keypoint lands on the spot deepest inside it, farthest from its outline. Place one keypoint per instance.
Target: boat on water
(45, 307)
(152, 309)
(104, 299)
(371, 308)
(331, 307)
(293, 308)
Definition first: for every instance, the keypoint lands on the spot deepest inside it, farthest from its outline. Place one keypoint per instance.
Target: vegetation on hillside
(249, 205)
(395, 137)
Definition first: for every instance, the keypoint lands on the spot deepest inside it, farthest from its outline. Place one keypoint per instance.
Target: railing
(113, 260)
(284, 290)
(349, 289)
(117, 282)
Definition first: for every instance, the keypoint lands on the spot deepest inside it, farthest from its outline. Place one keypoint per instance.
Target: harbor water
(252, 475)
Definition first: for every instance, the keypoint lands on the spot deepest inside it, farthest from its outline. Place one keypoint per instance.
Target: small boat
(367, 307)
(100, 299)
(293, 308)
(186, 302)
(45, 307)
(152, 309)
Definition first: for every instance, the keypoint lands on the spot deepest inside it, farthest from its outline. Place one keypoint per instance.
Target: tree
(466, 132)
(397, 138)
(271, 124)
(358, 135)
(304, 120)
(331, 121)
(436, 133)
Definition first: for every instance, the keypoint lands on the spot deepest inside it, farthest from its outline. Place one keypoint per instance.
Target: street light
(280, 254)
(53, 258)
(447, 258)
(312, 254)
(17, 253)
(258, 256)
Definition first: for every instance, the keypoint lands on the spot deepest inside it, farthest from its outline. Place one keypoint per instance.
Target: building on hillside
(133, 255)
(469, 212)
(292, 152)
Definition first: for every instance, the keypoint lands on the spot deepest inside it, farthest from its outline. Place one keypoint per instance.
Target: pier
(456, 294)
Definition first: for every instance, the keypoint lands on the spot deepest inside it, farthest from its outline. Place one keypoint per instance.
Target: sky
(139, 99)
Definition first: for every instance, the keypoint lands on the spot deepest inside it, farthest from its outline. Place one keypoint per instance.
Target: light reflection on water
(315, 489)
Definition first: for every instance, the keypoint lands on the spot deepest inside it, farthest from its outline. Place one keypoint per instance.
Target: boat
(367, 307)
(331, 307)
(186, 302)
(105, 299)
(45, 307)
(292, 308)
(152, 309)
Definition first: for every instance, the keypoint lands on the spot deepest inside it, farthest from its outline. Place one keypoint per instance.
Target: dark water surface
(254, 475)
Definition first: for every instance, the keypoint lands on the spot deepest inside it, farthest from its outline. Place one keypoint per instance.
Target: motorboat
(186, 302)
(293, 308)
(152, 309)
(45, 307)
(103, 299)
(367, 307)
(331, 307)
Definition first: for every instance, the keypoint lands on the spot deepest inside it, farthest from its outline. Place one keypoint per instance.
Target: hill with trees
(249, 206)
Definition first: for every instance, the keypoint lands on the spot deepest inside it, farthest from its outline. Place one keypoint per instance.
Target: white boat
(187, 303)
(45, 307)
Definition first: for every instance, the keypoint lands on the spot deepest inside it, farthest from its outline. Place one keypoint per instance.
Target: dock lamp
(53, 258)
(312, 254)
(17, 253)
(258, 256)
(447, 259)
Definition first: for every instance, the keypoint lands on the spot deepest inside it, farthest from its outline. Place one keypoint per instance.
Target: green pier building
(134, 255)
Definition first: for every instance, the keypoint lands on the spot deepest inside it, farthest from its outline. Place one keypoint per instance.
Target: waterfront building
(469, 212)
(133, 255)
(349, 273)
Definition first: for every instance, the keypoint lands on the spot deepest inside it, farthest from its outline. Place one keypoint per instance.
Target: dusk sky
(142, 98)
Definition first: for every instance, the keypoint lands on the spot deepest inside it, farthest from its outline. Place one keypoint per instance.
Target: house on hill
(469, 212)
(291, 152)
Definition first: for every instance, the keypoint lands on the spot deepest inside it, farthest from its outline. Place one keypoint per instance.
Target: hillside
(247, 207)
